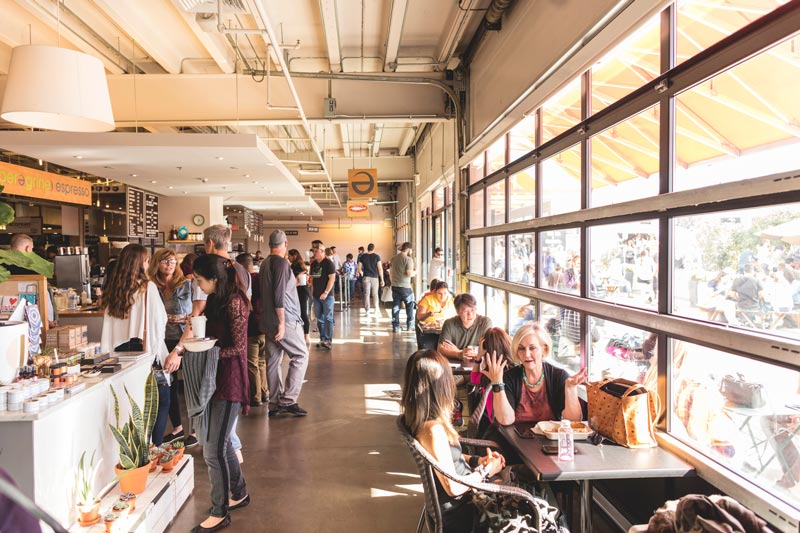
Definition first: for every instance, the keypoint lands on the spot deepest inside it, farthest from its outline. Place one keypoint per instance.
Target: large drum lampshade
(57, 89)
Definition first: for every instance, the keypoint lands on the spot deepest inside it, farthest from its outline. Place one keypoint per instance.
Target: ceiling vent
(210, 6)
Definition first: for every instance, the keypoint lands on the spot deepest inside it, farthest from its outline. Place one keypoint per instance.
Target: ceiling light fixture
(78, 156)
(57, 89)
(153, 181)
(170, 187)
(133, 175)
(220, 158)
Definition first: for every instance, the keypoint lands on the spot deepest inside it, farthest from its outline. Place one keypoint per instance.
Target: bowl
(199, 345)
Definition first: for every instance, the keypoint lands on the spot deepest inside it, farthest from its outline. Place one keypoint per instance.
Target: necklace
(533, 385)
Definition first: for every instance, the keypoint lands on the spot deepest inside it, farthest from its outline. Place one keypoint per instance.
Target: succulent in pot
(121, 508)
(85, 495)
(130, 499)
(110, 519)
(167, 461)
(179, 448)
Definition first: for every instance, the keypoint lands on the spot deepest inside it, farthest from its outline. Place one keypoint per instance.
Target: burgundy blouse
(232, 381)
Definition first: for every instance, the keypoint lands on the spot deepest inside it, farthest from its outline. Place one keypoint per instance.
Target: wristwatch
(498, 387)
(179, 350)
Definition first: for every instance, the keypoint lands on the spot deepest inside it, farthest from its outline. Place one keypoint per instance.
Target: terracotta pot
(153, 464)
(89, 514)
(180, 454)
(110, 523)
(133, 480)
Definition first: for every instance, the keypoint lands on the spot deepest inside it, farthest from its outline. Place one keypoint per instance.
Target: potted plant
(153, 457)
(134, 438)
(178, 447)
(121, 508)
(109, 519)
(130, 499)
(87, 501)
(167, 461)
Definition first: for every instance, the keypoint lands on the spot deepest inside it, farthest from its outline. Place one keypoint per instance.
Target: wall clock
(198, 220)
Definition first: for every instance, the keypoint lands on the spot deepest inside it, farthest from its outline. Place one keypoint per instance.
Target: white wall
(179, 210)
(434, 155)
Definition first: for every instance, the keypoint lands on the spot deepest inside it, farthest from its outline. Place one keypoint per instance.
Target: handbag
(623, 411)
(506, 514)
(743, 393)
(386, 294)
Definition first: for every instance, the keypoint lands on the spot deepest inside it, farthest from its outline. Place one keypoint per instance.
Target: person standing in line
(436, 266)
(349, 269)
(401, 271)
(283, 328)
(323, 275)
(256, 341)
(176, 294)
(359, 288)
(371, 271)
(300, 272)
(227, 310)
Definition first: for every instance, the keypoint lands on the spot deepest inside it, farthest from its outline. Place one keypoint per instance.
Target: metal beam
(344, 130)
(394, 32)
(330, 24)
(377, 134)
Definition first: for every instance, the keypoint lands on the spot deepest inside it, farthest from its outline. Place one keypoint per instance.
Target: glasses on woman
(169, 261)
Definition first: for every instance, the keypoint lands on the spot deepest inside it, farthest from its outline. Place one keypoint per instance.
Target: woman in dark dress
(300, 272)
(227, 311)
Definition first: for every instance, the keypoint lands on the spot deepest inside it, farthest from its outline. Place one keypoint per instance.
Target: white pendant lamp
(57, 89)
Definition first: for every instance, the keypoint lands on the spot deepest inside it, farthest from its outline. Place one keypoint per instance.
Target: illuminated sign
(362, 183)
(357, 208)
(24, 181)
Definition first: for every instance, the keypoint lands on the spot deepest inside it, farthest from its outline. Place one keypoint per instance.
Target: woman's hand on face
(576, 379)
(494, 366)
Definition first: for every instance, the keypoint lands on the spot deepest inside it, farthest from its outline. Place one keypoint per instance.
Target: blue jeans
(406, 295)
(160, 424)
(324, 311)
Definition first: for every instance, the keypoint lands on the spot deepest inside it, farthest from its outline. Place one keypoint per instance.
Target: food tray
(549, 429)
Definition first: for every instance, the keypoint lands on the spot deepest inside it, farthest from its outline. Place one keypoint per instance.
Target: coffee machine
(72, 272)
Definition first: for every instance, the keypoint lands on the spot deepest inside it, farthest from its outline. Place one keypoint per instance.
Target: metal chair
(431, 515)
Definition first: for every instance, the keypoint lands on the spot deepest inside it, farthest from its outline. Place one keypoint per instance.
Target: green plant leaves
(134, 437)
(29, 260)
(6, 214)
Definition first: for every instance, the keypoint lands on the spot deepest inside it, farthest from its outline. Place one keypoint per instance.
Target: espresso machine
(72, 272)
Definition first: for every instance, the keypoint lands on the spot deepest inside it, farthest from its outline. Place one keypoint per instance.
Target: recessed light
(204, 180)
(78, 156)
(153, 181)
(220, 158)
(107, 206)
(270, 164)
(254, 181)
(247, 175)
(133, 175)
(185, 192)
(170, 187)
(40, 162)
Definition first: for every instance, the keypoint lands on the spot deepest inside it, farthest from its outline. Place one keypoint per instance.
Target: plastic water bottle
(566, 442)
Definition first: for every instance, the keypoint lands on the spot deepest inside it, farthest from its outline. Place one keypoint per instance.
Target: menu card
(151, 215)
(135, 212)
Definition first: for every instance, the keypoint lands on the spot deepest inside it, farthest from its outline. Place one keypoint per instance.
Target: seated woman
(497, 342)
(535, 390)
(428, 396)
(432, 310)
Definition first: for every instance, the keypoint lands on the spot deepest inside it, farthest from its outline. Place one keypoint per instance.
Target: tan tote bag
(623, 411)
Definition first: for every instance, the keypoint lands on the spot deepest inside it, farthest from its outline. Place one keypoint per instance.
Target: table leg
(586, 506)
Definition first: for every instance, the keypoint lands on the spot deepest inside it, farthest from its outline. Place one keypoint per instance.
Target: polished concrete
(343, 467)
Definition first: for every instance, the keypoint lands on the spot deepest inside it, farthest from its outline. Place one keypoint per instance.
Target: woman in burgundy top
(227, 311)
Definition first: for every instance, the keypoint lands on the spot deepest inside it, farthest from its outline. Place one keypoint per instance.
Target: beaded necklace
(533, 385)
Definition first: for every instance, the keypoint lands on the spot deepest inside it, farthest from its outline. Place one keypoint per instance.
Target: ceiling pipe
(276, 47)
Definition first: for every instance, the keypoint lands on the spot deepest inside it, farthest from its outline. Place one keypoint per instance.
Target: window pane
(523, 259)
(564, 328)
(477, 257)
(496, 307)
(757, 444)
(438, 198)
(522, 137)
(476, 289)
(521, 311)
(561, 248)
(476, 169)
(561, 111)
(496, 195)
(496, 155)
(621, 351)
(561, 182)
(522, 195)
(702, 23)
(628, 66)
(476, 209)
(738, 267)
(740, 124)
(623, 268)
(497, 257)
(625, 160)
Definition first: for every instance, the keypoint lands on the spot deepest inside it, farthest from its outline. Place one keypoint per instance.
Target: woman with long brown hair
(300, 271)
(496, 342)
(176, 294)
(134, 318)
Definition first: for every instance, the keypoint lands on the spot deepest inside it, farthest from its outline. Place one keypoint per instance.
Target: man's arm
(410, 270)
(380, 274)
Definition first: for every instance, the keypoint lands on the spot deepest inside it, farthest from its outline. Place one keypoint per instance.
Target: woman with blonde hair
(176, 295)
(134, 318)
(536, 390)
(428, 398)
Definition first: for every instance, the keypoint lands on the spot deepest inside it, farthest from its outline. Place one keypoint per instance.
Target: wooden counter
(92, 318)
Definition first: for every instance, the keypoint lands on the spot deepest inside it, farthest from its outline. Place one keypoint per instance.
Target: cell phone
(550, 449)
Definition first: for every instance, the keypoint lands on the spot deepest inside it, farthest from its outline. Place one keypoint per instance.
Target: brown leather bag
(623, 411)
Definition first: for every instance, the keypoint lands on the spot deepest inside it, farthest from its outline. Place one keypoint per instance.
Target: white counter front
(41, 451)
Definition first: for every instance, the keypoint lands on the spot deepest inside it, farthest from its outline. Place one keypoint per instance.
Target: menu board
(150, 215)
(135, 212)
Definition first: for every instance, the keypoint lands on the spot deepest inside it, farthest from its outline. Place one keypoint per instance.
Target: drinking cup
(199, 327)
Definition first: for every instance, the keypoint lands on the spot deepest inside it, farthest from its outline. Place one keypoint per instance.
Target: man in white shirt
(436, 266)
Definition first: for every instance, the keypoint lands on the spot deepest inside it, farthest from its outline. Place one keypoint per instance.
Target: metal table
(594, 462)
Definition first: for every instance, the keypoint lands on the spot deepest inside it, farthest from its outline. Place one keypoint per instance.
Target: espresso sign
(362, 183)
(24, 181)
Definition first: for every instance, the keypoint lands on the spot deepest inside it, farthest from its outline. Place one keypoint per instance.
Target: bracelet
(483, 470)
(498, 386)
(179, 350)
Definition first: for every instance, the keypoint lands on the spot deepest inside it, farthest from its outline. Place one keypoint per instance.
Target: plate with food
(549, 429)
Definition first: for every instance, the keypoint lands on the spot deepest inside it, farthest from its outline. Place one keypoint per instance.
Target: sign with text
(357, 208)
(362, 183)
(135, 212)
(312, 229)
(291, 233)
(32, 183)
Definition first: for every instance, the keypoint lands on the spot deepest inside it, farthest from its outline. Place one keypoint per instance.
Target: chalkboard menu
(150, 215)
(135, 212)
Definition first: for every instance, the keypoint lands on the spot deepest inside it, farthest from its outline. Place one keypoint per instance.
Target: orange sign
(357, 208)
(33, 183)
(362, 183)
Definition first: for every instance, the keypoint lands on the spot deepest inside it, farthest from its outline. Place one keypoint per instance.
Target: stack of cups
(15, 396)
(3, 398)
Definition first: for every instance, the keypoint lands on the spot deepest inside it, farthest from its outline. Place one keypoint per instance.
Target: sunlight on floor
(382, 399)
(412, 488)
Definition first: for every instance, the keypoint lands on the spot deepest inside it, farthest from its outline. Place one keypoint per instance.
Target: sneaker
(295, 409)
(173, 436)
(326, 345)
(276, 411)
(190, 441)
(394, 329)
(265, 397)
(256, 403)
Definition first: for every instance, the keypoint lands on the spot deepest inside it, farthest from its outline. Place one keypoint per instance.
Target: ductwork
(495, 12)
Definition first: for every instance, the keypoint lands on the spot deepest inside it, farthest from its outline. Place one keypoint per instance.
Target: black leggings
(302, 295)
(174, 404)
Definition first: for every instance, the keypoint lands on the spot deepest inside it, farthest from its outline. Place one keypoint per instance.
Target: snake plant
(134, 437)
(84, 480)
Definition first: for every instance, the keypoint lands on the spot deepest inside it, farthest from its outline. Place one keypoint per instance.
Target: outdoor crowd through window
(736, 268)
